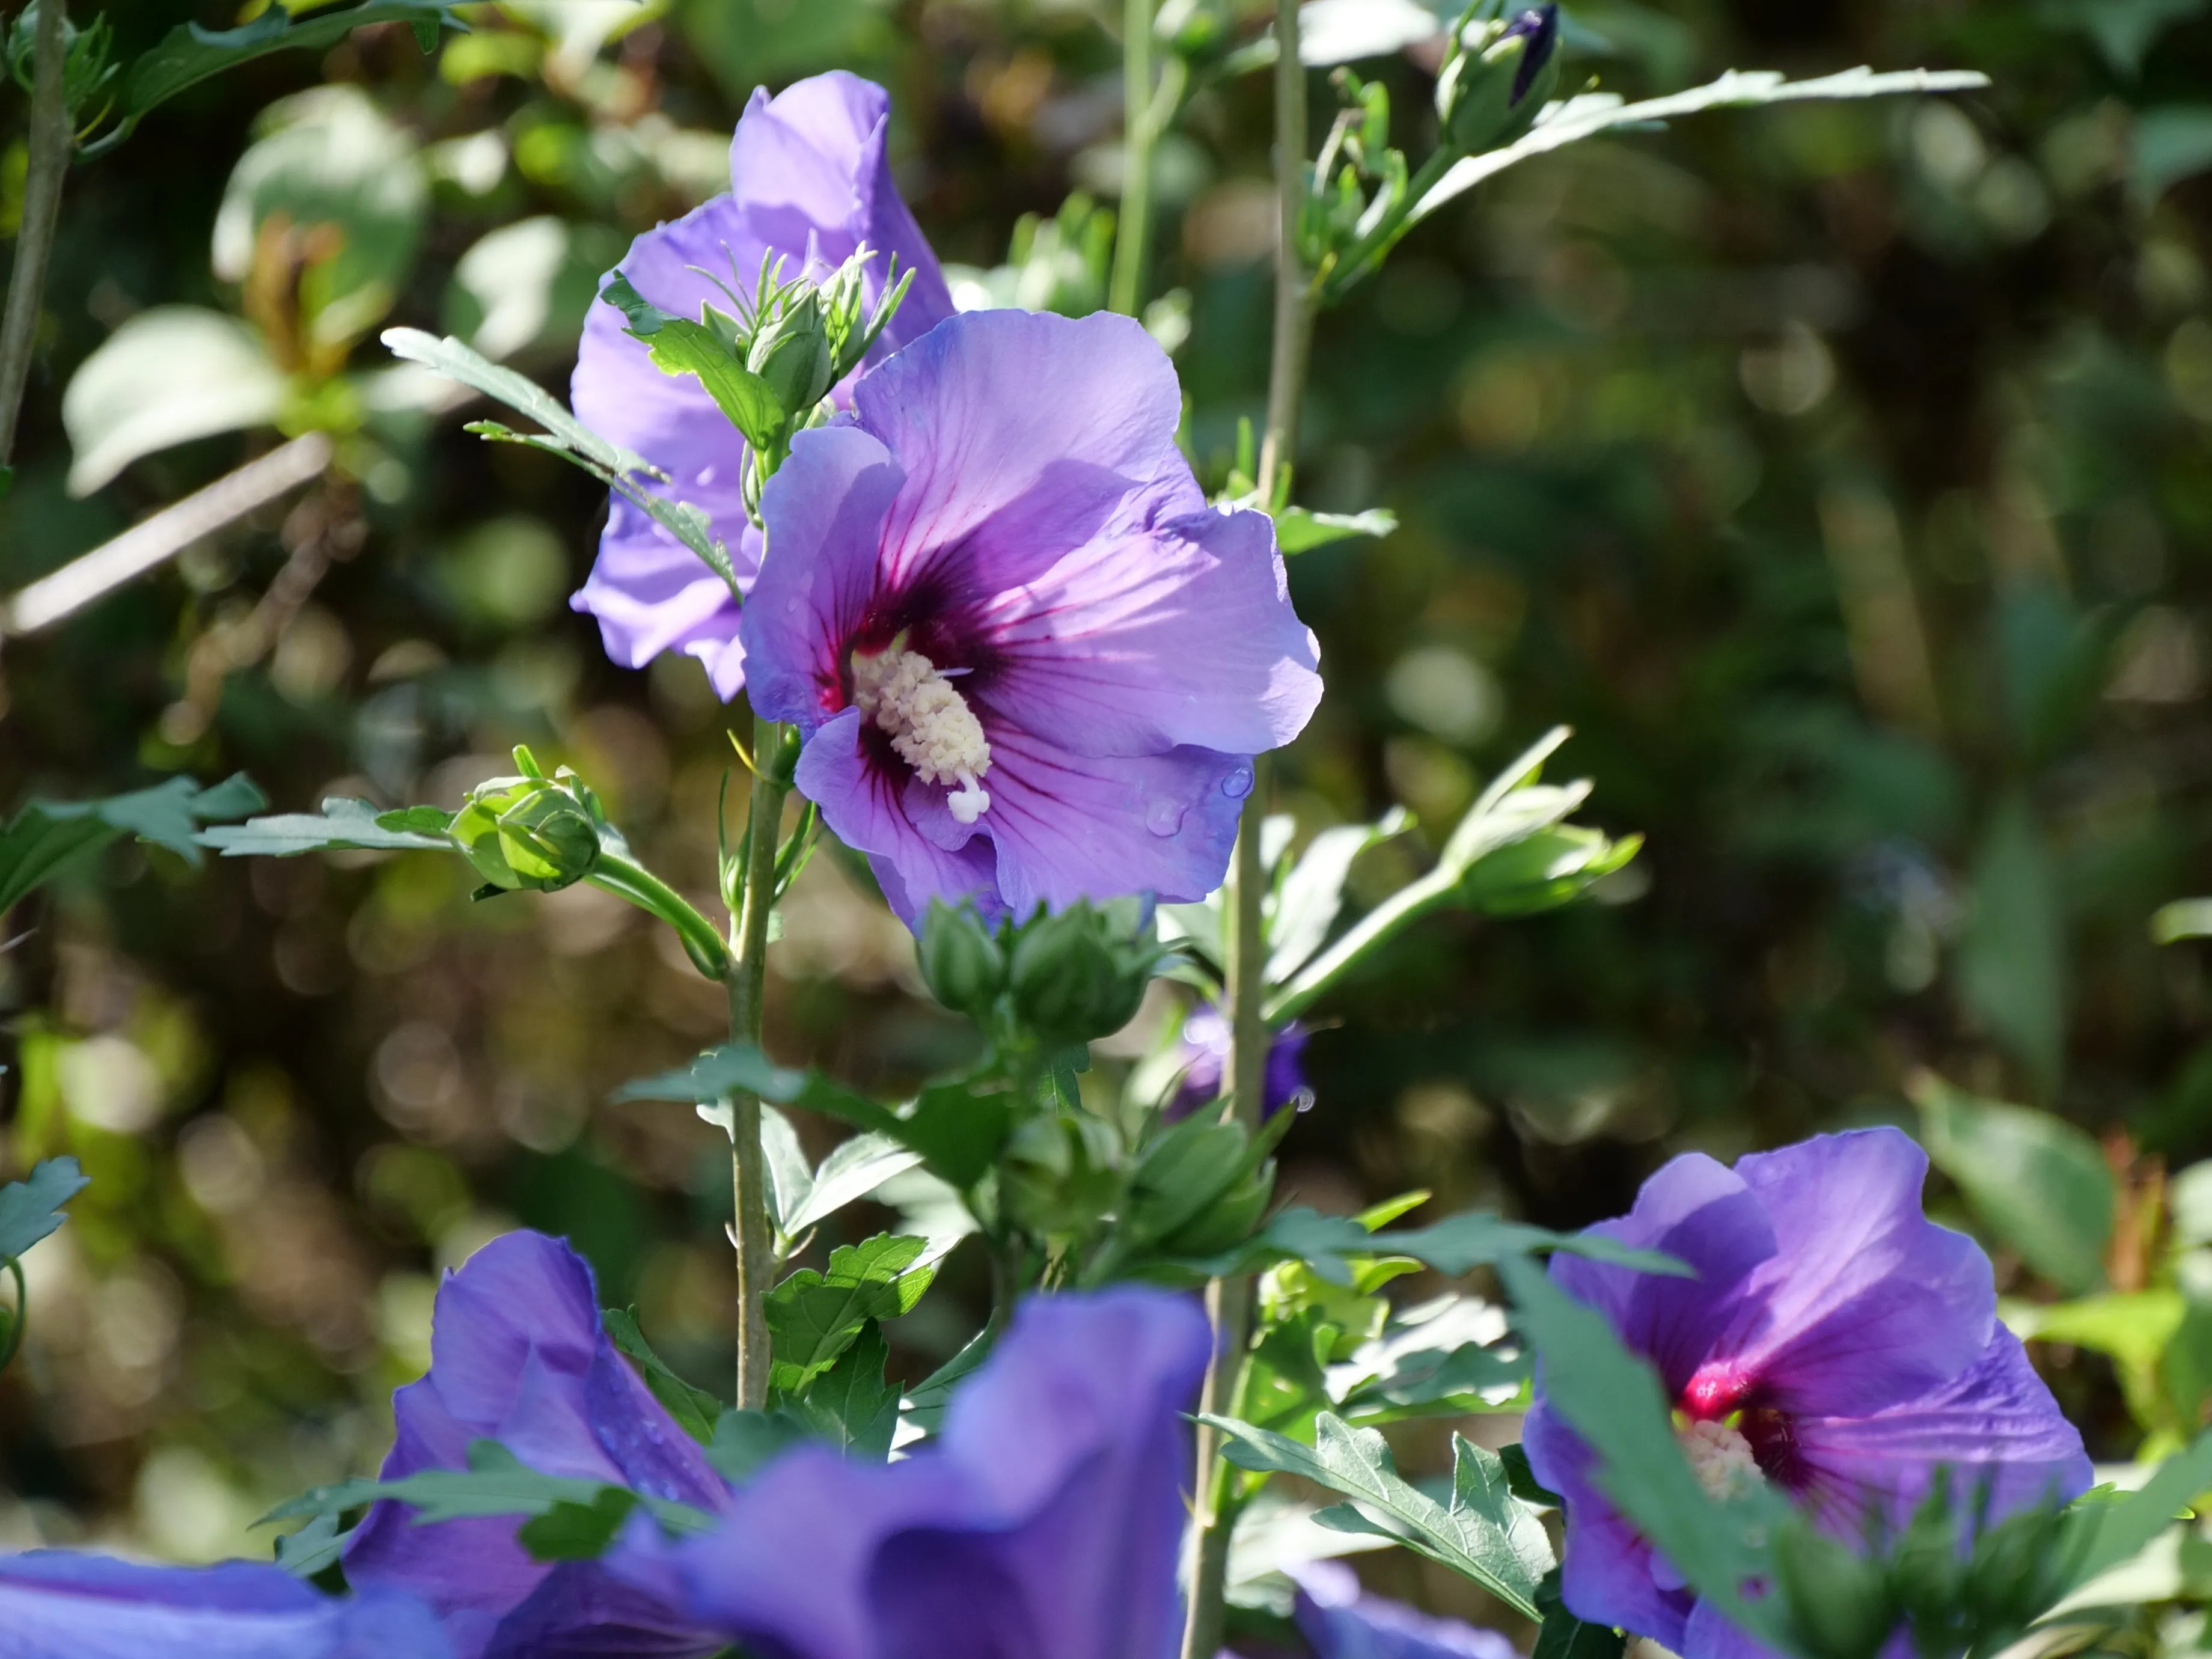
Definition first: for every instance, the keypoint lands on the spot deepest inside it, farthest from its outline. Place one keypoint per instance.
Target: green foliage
(851, 1406)
(1484, 1532)
(2038, 1183)
(31, 1210)
(46, 837)
(695, 1411)
(814, 1317)
(577, 1531)
(495, 1483)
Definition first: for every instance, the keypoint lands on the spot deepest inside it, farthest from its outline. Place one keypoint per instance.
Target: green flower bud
(961, 961)
(1077, 974)
(1057, 1176)
(1494, 88)
(530, 831)
(1839, 1601)
(791, 352)
(2015, 1574)
(1230, 1219)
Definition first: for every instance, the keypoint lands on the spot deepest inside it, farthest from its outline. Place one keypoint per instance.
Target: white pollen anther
(1720, 1458)
(931, 726)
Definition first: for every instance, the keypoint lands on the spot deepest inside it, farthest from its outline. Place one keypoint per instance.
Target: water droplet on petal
(1164, 816)
(1238, 784)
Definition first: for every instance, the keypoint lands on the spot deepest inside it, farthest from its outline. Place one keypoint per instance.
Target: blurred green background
(1839, 474)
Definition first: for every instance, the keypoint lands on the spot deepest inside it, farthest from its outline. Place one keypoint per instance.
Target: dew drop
(1238, 784)
(1164, 816)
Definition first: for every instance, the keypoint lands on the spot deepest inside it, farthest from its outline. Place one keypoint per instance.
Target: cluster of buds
(770, 362)
(1499, 77)
(532, 831)
(87, 71)
(1056, 981)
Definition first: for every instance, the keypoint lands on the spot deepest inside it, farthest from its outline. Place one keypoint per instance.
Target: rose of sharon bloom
(519, 1355)
(56, 1604)
(1203, 1045)
(1030, 663)
(1045, 1521)
(810, 184)
(1341, 1621)
(1835, 1343)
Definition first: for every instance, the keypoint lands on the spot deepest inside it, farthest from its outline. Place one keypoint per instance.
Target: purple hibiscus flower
(1029, 661)
(1203, 1045)
(519, 1355)
(810, 184)
(1835, 1343)
(57, 1604)
(1341, 1621)
(1046, 1521)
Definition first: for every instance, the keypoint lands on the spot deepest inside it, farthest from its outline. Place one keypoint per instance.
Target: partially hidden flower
(1340, 1619)
(1031, 664)
(1203, 1047)
(1045, 1521)
(1835, 1343)
(810, 185)
(59, 1604)
(519, 1355)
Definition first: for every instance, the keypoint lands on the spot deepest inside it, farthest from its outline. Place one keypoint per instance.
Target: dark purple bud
(1540, 26)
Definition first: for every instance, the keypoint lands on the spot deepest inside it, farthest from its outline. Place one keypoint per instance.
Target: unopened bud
(530, 831)
(1072, 981)
(791, 352)
(1839, 1601)
(961, 961)
(1495, 86)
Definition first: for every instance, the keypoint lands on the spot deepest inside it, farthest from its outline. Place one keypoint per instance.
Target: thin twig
(1138, 132)
(748, 985)
(52, 143)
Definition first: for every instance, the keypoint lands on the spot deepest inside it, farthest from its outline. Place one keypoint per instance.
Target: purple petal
(1183, 635)
(1068, 827)
(1342, 1621)
(860, 802)
(811, 184)
(57, 1604)
(828, 503)
(1608, 1574)
(1701, 1213)
(1866, 1303)
(1025, 437)
(518, 1355)
(1048, 1516)
(1997, 1422)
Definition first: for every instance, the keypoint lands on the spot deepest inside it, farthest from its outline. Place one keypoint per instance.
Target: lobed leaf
(46, 836)
(813, 1318)
(343, 824)
(31, 1209)
(851, 1405)
(495, 1483)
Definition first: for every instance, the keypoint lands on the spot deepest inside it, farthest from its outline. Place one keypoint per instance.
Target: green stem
(702, 943)
(1402, 909)
(1294, 287)
(51, 144)
(1364, 255)
(748, 984)
(11, 1339)
(1125, 292)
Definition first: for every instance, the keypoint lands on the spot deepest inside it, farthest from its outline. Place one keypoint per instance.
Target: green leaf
(2040, 1184)
(571, 1531)
(2102, 1534)
(2012, 961)
(1613, 1401)
(2171, 143)
(564, 435)
(850, 1405)
(1596, 113)
(1485, 1533)
(2123, 29)
(47, 835)
(2130, 1327)
(168, 375)
(1312, 894)
(1298, 530)
(849, 1174)
(790, 1176)
(813, 1318)
(1452, 1247)
(744, 1440)
(495, 1483)
(1566, 1636)
(315, 1548)
(1521, 1478)
(32, 1209)
(695, 1410)
(924, 1405)
(189, 54)
(679, 345)
(343, 823)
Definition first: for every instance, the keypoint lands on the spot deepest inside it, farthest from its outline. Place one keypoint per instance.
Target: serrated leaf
(343, 824)
(679, 345)
(744, 1440)
(495, 1483)
(695, 1410)
(849, 1174)
(813, 1318)
(31, 1209)
(315, 1548)
(47, 835)
(1596, 113)
(850, 1405)
(1484, 1534)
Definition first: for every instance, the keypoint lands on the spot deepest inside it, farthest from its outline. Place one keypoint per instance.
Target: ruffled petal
(1341, 1621)
(860, 802)
(1996, 1425)
(1025, 437)
(1068, 827)
(1866, 1303)
(1180, 635)
(827, 503)
(58, 1604)
(1608, 1574)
